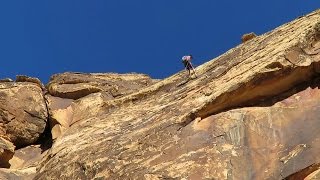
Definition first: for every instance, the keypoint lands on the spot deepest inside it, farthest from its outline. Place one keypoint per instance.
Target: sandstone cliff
(253, 113)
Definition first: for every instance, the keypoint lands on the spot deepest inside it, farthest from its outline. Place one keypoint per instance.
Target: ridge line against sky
(40, 38)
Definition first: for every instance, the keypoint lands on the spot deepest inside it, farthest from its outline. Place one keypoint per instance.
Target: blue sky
(41, 37)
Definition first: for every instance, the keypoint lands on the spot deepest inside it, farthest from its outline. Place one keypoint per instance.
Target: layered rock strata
(65, 88)
(252, 113)
(77, 85)
(242, 118)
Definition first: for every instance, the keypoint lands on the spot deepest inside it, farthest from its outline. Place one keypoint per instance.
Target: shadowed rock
(6, 152)
(248, 36)
(311, 172)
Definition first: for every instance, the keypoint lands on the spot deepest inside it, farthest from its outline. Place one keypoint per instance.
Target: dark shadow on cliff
(45, 139)
(304, 172)
(270, 101)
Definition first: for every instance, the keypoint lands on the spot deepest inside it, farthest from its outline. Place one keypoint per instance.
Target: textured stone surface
(23, 164)
(77, 85)
(99, 87)
(60, 114)
(311, 172)
(26, 157)
(264, 141)
(65, 112)
(6, 152)
(24, 78)
(23, 112)
(314, 176)
(252, 113)
(17, 174)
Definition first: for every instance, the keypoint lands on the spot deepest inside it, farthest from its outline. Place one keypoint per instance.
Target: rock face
(18, 174)
(23, 164)
(23, 112)
(26, 157)
(272, 140)
(6, 152)
(23, 78)
(61, 114)
(77, 85)
(252, 113)
(99, 87)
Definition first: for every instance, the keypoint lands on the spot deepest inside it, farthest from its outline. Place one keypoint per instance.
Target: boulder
(248, 36)
(23, 112)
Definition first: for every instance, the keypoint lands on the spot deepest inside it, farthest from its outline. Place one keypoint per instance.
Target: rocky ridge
(253, 113)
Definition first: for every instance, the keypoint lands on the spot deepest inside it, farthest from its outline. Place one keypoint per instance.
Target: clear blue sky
(42, 37)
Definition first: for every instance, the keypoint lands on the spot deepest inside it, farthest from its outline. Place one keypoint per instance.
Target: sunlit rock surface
(77, 85)
(23, 112)
(99, 87)
(252, 113)
(23, 164)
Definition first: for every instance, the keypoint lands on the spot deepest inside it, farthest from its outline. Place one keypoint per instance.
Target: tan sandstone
(23, 112)
(251, 114)
(6, 152)
(77, 85)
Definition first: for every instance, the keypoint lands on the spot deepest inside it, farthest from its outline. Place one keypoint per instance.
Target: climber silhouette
(186, 60)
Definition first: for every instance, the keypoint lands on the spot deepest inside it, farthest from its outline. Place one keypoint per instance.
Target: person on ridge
(186, 60)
